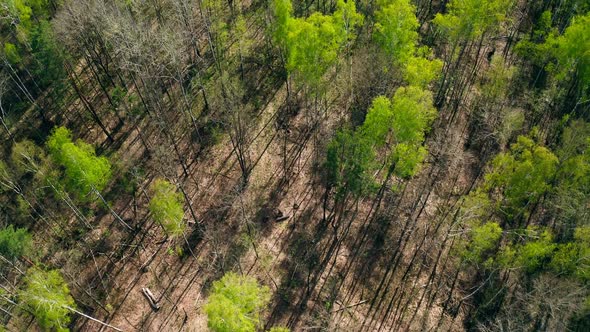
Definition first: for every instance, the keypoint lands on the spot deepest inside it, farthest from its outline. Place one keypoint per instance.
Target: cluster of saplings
(521, 231)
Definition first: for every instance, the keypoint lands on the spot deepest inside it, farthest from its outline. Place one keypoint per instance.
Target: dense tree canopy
(313, 43)
(469, 19)
(47, 296)
(235, 304)
(84, 171)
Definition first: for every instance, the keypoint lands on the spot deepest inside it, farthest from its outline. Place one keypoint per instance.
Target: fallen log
(151, 298)
(281, 218)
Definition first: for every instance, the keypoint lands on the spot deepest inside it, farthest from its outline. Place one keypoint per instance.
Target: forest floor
(320, 275)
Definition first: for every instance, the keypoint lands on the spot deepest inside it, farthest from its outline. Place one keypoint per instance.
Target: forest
(294, 165)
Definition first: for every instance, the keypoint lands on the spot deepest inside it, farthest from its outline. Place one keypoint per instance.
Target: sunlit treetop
(524, 173)
(282, 12)
(413, 114)
(421, 71)
(313, 43)
(235, 304)
(482, 239)
(378, 121)
(469, 19)
(166, 207)
(572, 50)
(47, 296)
(84, 171)
(396, 29)
(403, 122)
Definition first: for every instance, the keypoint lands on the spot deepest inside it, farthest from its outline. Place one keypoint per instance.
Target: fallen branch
(351, 306)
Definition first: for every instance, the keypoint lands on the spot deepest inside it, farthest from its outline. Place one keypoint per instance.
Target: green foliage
(21, 15)
(349, 161)
(533, 255)
(279, 329)
(15, 243)
(573, 258)
(524, 173)
(166, 207)
(572, 50)
(582, 242)
(395, 29)
(534, 48)
(312, 47)
(347, 19)
(413, 114)
(11, 53)
(50, 67)
(570, 197)
(396, 33)
(84, 171)
(567, 55)
(282, 12)
(47, 296)
(235, 304)
(313, 43)
(377, 124)
(497, 82)
(476, 206)
(469, 19)
(408, 117)
(420, 71)
(565, 259)
(408, 158)
(484, 238)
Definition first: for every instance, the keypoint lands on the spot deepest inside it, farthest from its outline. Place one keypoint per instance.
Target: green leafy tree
(377, 124)
(483, 239)
(11, 53)
(50, 67)
(396, 32)
(572, 51)
(84, 171)
(350, 158)
(282, 13)
(534, 47)
(47, 296)
(413, 114)
(408, 158)
(313, 43)
(523, 174)
(15, 243)
(469, 19)
(420, 71)
(166, 207)
(570, 197)
(396, 29)
(534, 255)
(404, 120)
(235, 304)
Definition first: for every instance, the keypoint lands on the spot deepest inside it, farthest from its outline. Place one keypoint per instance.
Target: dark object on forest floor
(279, 216)
(151, 299)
